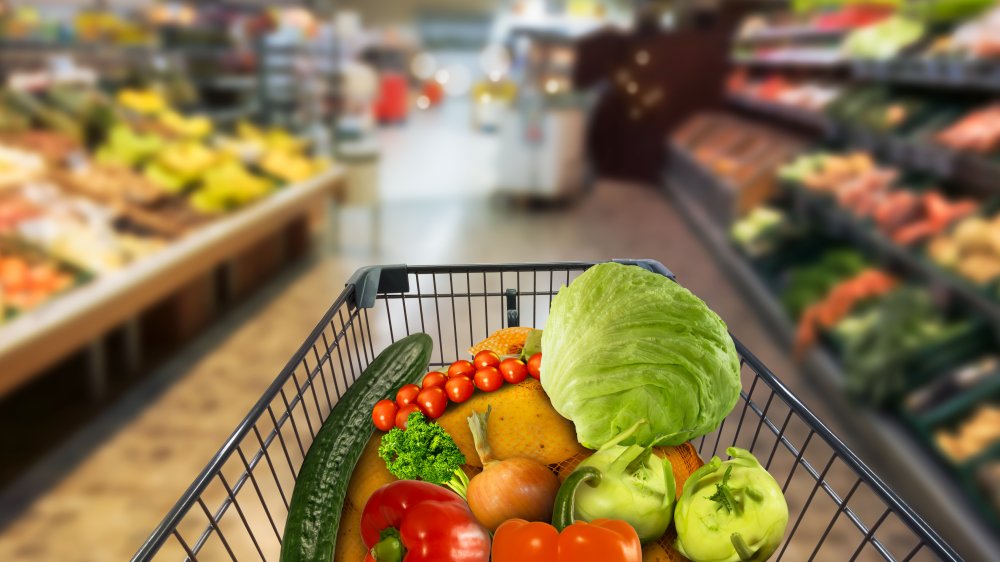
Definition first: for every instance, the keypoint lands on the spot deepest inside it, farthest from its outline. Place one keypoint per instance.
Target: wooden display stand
(180, 281)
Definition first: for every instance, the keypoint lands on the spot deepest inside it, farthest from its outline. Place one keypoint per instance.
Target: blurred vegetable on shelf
(973, 435)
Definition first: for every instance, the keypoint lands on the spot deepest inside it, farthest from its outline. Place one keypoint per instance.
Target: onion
(514, 488)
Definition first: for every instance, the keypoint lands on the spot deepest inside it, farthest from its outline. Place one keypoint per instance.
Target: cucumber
(320, 489)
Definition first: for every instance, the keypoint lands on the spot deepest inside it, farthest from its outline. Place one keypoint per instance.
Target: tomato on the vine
(513, 370)
(407, 394)
(461, 368)
(404, 414)
(459, 389)
(432, 402)
(488, 379)
(535, 366)
(384, 414)
(434, 378)
(486, 358)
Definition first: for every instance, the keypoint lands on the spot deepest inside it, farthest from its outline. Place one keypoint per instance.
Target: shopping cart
(236, 508)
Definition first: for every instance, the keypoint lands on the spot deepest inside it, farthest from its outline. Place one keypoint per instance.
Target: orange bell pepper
(602, 540)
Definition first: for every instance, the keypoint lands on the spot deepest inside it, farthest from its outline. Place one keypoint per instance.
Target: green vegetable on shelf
(807, 285)
(731, 511)
(424, 451)
(880, 342)
(885, 39)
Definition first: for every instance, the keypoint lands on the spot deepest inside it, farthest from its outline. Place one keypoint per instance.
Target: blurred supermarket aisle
(454, 160)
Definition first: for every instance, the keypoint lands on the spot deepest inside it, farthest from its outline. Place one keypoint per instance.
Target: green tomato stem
(742, 549)
(390, 548)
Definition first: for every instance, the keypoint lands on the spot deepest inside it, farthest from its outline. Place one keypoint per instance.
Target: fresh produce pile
(906, 216)
(973, 435)
(971, 249)
(100, 181)
(28, 279)
(478, 462)
(884, 39)
(977, 39)
(978, 132)
(775, 88)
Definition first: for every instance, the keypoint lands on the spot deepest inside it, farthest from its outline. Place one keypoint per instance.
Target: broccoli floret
(425, 452)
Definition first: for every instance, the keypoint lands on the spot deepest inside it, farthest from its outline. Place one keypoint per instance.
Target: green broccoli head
(424, 451)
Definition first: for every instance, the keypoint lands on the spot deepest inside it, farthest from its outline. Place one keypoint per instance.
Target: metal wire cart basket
(236, 508)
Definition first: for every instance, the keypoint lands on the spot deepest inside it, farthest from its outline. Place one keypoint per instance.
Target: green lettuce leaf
(623, 344)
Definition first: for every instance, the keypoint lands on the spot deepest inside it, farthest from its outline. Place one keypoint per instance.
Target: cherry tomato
(513, 370)
(535, 366)
(461, 368)
(459, 389)
(432, 402)
(406, 395)
(488, 379)
(434, 378)
(384, 414)
(486, 358)
(404, 414)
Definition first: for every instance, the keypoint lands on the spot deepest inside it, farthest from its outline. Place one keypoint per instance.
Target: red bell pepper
(602, 540)
(411, 521)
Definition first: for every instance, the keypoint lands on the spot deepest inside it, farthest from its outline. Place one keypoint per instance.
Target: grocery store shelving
(889, 252)
(792, 33)
(793, 61)
(45, 335)
(976, 173)
(814, 120)
(886, 445)
(943, 73)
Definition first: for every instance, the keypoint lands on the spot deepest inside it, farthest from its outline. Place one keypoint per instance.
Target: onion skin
(516, 488)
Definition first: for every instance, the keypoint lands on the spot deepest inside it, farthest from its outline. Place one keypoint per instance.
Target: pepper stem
(390, 548)
(742, 549)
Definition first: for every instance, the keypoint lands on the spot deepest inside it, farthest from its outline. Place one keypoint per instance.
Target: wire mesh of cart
(236, 508)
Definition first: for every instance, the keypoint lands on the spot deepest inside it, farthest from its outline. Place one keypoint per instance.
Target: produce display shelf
(42, 337)
(892, 253)
(813, 120)
(882, 442)
(792, 33)
(824, 63)
(947, 74)
(976, 173)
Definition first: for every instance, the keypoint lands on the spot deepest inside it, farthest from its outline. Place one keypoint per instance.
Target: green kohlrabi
(623, 344)
(730, 511)
(624, 482)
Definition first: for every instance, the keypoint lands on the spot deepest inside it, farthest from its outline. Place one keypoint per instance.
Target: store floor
(111, 484)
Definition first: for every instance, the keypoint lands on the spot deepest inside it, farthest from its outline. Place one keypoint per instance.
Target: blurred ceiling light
(533, 9)
(632, 87)
(642, 57)
(622, 76)
(495, 76)
(442, 76)
(423, 66)
(423, 102)
(552, 85)
(459, 80)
